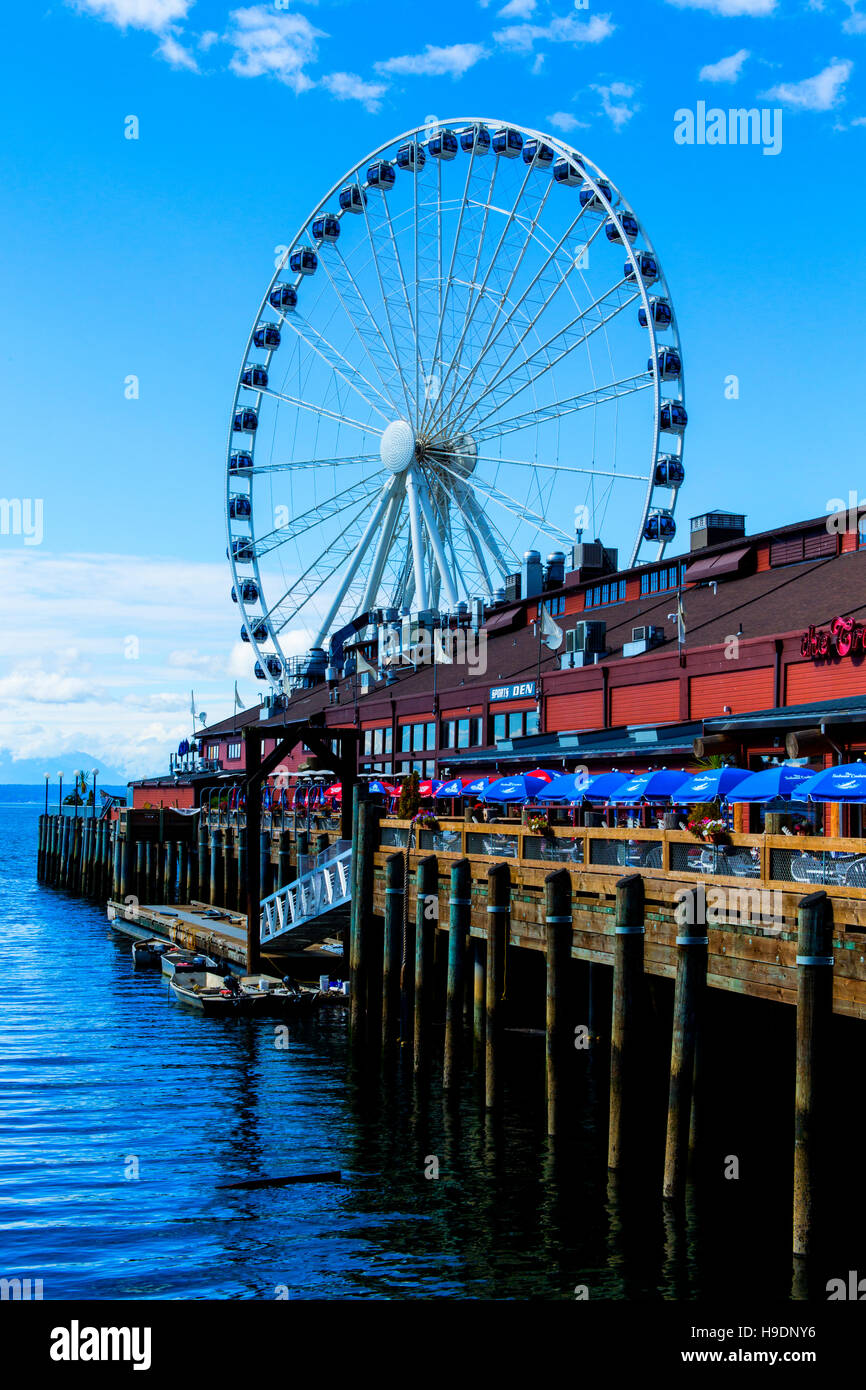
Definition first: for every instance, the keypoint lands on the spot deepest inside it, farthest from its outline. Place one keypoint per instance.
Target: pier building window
(660, 580)
(233, 752)
(611, 591)
(213, 750)
(554, 606)
(415, 738)
(514, 724)
(378, 740)
(462, 733)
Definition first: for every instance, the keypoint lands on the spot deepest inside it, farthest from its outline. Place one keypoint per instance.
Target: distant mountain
(31, 771)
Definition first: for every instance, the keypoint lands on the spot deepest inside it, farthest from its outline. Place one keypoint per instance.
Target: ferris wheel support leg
(352, 569)
(417, 539)
(438, 548)
(392, 516)
(469, 506)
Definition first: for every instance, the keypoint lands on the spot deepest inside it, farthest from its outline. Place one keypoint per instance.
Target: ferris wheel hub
(397, 446)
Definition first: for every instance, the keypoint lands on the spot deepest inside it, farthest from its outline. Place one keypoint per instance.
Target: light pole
(60, 794)
(47, 780)
(78, 775)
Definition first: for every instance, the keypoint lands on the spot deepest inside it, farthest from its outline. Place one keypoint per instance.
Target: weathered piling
(265, 888)
(229, 863)
(284, 863)
(498, 928)
(460, 902)
(625, 1042)
(559, 932)
(364, 841)
(150, 860)
(392, 946)
(125, 863)
(203, 857)
(216, 840)
(241, 836)
(688, 1004)
(814, 1018)
(426, 916)
(183, 893)
(170, 872)
(40, 850)
(479, 998)
(140, 889)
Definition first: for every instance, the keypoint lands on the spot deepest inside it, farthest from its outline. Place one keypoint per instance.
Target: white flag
(551, 632)
(443, 648)
(192, 704)
(363, 666)
(238, 701)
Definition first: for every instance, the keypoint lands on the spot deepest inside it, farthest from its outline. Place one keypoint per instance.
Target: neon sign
(841, 638)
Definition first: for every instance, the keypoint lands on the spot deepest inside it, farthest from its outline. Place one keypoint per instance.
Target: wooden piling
(150, 859)
(814, 1020)
(284, 865)
(479, 998)
(229, 862)
(216, 839)
(625, 1041)
(183, 893)
(125, 863)
(498, 930)
(265, 888)
(203, 884)
(426, 916)
(392, 947)
(559, 933)
(460, 902)
(242, 869)
(688, 1006)
(364, 840)
(171, 872)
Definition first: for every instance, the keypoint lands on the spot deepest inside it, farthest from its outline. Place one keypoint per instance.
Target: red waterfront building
(749, 645)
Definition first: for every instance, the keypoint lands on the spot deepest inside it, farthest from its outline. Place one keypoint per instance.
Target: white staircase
(326, 886)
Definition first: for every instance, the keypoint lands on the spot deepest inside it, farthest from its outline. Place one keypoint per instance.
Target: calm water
(99, 1069)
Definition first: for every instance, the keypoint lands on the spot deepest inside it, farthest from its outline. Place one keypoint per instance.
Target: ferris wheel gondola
(451, 364)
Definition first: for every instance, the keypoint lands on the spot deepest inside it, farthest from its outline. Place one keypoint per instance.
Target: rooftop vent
(712, 528)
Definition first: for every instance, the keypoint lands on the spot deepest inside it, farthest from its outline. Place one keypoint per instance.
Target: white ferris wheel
(468, 350)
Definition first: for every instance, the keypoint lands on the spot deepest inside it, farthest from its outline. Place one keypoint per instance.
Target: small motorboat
(285, 997)
(149, 953)
(217, 995)
(182, 962)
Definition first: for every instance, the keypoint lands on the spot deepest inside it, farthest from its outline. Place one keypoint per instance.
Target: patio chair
(855, 874)
(805, 868)
(653, 858)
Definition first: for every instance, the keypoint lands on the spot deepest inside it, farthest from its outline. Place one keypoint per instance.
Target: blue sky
(148, 257)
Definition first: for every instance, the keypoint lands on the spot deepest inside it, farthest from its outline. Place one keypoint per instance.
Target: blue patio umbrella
(844, 783)
(711, 784)
(574, 786)
(520, 788)
(598, 787)
(479, 785)
(784, 780)
(459, 786)
(649, 786)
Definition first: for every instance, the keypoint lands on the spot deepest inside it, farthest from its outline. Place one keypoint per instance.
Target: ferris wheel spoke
(549, 271)
(320, 570)
(300, 464)
(398, 305)
(471, 533)
(383, 294)
(319, 410)
(455, 246)
(502, 388)
(551, 467)
(436, 543)
(597, 395)
(362, 324)
(479, 296)
(312, 518)
(508, 504)
(339, 365)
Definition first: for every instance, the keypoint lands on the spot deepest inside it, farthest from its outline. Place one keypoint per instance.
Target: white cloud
(615, 103)
(538, 64)
(347, 86)
(136, 14)
(175, 53)
(856, 22)
(726, 69)
(208, 39)
(451, 61)
(273, 44)
(518, 9)
(561, 29)
(730, 9)
(818, 93)
(563, 120)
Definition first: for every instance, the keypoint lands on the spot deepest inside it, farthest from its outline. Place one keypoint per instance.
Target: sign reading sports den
(520, 691)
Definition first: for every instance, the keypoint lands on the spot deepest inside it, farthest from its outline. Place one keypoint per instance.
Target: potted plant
(424, 820)
(539, 825)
